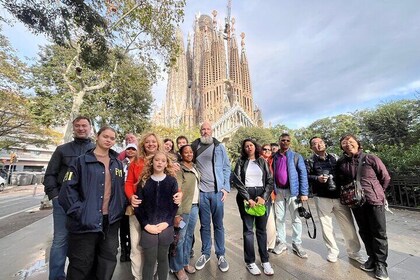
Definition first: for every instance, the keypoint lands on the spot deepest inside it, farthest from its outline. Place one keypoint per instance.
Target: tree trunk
(77, 102)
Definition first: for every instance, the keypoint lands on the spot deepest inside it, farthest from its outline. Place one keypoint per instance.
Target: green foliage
(401, 159)
(393, 123)
(124, 104)
(261, 135)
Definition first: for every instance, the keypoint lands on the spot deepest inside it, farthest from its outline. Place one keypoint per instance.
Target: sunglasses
(131, 149)
(285, 140)
(265, 149)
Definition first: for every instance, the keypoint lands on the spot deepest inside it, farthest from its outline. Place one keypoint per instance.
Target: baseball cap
(131, 145)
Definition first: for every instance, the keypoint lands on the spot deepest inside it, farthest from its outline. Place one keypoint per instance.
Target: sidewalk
(24, 253)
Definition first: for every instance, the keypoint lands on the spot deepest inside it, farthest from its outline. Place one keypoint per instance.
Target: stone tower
(211, 80)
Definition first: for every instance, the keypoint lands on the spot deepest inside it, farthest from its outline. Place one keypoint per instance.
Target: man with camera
(291, 187)
(321, 171)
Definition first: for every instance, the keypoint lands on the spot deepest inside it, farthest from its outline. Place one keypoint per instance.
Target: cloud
(312, 59)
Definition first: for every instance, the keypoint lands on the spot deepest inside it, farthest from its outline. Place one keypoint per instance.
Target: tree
(331, 129)
(17, 127)
(261, 135)
(393, 123)
(93, 28)
(125, 103)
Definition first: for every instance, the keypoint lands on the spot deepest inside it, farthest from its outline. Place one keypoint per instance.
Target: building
(210, 81)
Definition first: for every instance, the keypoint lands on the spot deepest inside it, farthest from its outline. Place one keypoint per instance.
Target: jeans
(176, 263)
(248, 223)
(59, 244)
(189, 234)
(212, 210)
(283, 201)
(372, 229)
(93, 255)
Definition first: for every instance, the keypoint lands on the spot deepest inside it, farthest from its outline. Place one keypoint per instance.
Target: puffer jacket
(239, 174)
(83, 189)
(374, 176)
(296, 173)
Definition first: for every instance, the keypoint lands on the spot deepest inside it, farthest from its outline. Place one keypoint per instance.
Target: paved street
(24, 253)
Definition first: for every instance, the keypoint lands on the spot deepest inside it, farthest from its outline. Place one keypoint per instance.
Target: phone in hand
(182, 224)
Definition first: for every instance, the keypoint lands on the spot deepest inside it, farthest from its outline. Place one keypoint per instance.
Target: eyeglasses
(266, 149)
(284, 140)
(130, 149)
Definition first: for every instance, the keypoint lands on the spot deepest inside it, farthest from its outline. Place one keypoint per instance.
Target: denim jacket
(221, 164)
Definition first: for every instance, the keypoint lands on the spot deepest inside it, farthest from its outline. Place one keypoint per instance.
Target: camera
(304, 213)
(330, 180)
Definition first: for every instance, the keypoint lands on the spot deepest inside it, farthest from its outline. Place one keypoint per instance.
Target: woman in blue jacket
(93, 197)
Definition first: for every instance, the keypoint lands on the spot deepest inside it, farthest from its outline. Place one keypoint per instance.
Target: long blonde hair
(148, 167)
(141, 152)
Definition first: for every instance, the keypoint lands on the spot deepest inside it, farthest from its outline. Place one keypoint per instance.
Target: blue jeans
(176, 263)
(59, 244)
(212, 210)
(189, 234)
(283, 201)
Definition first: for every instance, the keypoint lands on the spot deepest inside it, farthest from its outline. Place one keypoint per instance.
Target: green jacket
(187, 180)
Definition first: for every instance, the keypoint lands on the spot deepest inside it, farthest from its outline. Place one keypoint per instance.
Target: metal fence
(404, 191)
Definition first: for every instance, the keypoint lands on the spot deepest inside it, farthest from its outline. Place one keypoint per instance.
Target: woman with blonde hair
(150, 143)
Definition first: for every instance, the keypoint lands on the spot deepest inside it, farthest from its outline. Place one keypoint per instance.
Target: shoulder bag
(352, 194)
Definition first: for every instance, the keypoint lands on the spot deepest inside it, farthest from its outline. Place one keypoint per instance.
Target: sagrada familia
(210, 81)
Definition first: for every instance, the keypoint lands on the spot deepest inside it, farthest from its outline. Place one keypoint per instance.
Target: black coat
(60, 161)
(83, 189)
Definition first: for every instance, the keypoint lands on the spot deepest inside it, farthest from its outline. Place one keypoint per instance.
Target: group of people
(154, 197)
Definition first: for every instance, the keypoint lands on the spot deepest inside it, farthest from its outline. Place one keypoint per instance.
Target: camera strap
(313, 223)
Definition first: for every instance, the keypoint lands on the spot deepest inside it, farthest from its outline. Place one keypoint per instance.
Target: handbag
(352, 194)
(258, 210)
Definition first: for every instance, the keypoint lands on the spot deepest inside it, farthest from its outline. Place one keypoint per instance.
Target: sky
(312, 59)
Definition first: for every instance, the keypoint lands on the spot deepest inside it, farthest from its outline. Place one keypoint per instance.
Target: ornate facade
(211, 81)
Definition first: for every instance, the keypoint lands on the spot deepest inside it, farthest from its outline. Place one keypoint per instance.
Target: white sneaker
(253, 269)
(332, 258)
(268, 270)
(357, 257)
(279, 248)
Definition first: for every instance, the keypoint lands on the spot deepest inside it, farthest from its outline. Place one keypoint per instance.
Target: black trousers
(372, 229)
(125, 235)
(152, 255)
(93, 255)
(248, 222)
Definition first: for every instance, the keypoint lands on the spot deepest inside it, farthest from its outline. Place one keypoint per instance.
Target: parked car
(2, 183)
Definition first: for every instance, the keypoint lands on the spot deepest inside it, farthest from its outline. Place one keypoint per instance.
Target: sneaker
(381, 271)
(223, 264)
(268, 270)
(298, 249)
(279, 248)
(357, 257)
(332, 258)
(253, 269)
(369, 265)
(201, 262)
